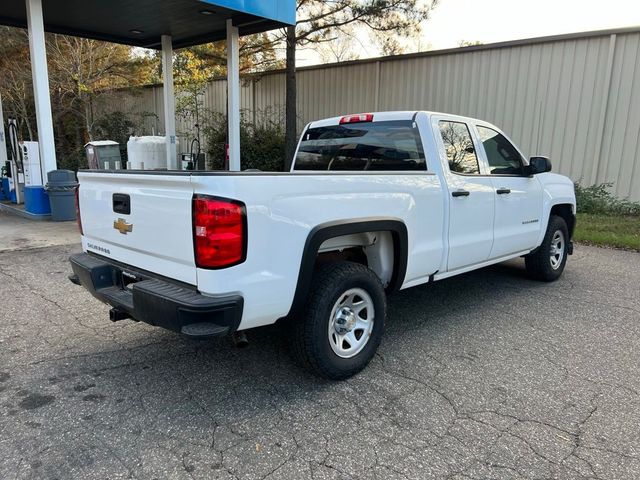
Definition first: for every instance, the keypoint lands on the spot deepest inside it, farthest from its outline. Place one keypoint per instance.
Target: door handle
(503, 191)
(460, 193)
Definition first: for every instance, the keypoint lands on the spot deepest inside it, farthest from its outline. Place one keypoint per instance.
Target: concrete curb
(19, 211)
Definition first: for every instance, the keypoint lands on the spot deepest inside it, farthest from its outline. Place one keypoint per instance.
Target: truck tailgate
(156, 233)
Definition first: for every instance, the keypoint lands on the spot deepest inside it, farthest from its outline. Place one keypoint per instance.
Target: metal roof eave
(189, 22)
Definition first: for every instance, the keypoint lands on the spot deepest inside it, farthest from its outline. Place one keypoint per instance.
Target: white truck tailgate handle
(122, 203)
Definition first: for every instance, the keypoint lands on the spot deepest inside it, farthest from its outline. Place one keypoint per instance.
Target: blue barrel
(5, 188)
(36, 201)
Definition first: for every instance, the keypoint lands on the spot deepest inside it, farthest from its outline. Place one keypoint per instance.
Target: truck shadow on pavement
(146, 359)
(418, 309)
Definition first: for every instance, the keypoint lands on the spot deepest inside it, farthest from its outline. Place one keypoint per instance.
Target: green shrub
(73, 159)
(261, 145)
(116, 126)
(599, 199)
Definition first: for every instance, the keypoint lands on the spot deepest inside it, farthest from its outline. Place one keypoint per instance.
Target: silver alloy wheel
(557, 249)
(351, 322)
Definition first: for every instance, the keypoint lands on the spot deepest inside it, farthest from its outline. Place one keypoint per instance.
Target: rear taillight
(219, 232)
(78, 219)
(361, 117)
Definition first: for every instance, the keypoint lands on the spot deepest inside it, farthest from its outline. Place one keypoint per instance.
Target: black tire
(539, 263)
(310, 344)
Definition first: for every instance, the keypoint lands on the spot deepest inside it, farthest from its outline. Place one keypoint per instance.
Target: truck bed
(281, 210)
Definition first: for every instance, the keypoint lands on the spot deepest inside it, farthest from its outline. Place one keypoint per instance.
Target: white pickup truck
(373, 203)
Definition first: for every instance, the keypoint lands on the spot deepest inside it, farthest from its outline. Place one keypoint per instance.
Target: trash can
(36, 200)
(61, 187)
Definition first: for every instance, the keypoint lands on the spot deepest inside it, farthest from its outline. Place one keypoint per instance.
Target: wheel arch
(563, 207)
(326, 231)
(565, 210)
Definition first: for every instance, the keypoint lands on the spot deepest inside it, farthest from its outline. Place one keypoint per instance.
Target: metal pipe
(240, 339)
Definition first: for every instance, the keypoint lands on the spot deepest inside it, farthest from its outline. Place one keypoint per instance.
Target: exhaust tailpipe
(240, 339)
(115, 315)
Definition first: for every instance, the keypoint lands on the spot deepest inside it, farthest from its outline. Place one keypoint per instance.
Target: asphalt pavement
(484, 376)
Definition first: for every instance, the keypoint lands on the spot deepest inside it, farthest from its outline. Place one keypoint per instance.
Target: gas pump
(195, 159)
(12, 160)
(4, 161)
(16, 166)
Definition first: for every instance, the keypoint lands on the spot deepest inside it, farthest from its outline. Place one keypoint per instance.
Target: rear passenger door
(518, 196)
(470, 195)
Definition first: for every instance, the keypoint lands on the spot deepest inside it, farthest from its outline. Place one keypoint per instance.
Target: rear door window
(377, 146)
(461, 155)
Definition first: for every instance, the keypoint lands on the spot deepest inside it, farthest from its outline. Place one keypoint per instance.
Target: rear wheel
(343, 323)
(548, 261)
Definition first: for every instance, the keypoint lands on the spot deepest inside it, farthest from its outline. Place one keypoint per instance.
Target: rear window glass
(383, 146)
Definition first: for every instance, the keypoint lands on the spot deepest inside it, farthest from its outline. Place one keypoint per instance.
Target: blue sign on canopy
(143, 22)
(279, 10)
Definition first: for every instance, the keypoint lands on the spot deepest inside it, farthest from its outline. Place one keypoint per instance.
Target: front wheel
(343, 323)
(548, 261)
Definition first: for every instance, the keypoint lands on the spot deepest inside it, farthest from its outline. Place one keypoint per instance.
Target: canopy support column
(169, 102)
(40, 74)
(233, 95)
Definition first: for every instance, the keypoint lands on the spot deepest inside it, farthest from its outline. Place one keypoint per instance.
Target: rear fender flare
(325, 231)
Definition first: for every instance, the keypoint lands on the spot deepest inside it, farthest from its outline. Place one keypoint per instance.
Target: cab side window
(458, 145)
(503, 157)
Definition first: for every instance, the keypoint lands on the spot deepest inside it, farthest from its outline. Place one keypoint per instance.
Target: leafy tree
(321, 21)
(469, 43)
(257, 53)
(195, 66)
(116, 126)
(80, 70)
(341, 49)
(262, 143)
(389, 45)
(15, 81)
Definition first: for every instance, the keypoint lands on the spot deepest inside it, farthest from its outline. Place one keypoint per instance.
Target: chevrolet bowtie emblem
(122, 226)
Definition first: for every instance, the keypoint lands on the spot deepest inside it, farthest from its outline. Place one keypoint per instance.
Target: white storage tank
(147, 153)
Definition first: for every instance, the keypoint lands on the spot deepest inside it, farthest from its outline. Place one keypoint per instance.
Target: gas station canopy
(142, 22)
(159, 24)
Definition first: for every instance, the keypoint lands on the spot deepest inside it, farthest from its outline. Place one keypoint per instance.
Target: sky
(489, 21)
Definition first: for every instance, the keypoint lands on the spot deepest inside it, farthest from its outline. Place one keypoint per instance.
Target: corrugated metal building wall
(575, 98)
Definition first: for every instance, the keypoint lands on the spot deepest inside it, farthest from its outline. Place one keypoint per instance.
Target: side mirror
(539, 165)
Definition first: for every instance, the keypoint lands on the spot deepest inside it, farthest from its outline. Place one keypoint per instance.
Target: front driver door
(471, 197)
(518, 196)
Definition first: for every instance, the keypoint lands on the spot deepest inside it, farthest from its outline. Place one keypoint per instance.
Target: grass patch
(608, 230)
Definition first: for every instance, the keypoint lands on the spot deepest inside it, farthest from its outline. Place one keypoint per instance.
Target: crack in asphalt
(432, 404)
